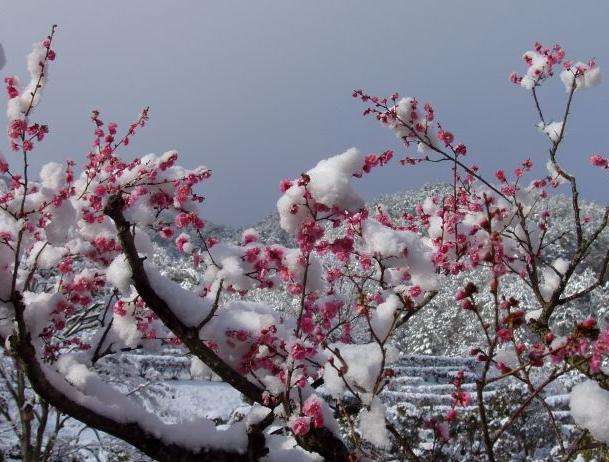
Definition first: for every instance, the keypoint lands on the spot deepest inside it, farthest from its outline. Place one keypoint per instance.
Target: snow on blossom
(183, 243)
(292, 259)
(540, 62)
(406, 116)
(53, 175)
(330, 185)
(249, 235)
(313, 408)
(237, 327)
(300, 425)
(125, 328)
(505, 356)
(401, 249)
(60, 224)
(584, 75)
(235, 265)
(225, 262)
(39, 307)
(18, 105)
(537, 67)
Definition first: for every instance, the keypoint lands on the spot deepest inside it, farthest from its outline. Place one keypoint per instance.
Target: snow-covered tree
(75, 243)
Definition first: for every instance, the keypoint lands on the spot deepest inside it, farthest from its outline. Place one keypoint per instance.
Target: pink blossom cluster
(312, 417)
(599, 161)
(540, 61)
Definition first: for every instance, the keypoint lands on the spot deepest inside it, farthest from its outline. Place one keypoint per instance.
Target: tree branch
(319, 440)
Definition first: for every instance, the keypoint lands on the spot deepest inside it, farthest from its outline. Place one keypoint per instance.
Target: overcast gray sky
(261, 90)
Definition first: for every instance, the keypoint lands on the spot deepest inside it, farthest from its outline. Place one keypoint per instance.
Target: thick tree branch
(187, 334)
(131, 432)
(319, 440)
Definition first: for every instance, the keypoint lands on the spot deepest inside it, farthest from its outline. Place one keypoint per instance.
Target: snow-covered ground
(423, 384)
(202, 398)
(184, 400)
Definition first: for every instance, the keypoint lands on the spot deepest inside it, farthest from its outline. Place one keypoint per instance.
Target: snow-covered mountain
(441, 327)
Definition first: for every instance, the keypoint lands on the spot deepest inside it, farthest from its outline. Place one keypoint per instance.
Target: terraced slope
(422, 382)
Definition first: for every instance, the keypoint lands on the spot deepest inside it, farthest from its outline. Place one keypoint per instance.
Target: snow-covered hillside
(423, 385)
(442, 327)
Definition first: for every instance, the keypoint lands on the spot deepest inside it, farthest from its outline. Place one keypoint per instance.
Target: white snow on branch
(372, 425)
(384, 315)
(361, 367)
(585, 76)
(403, 249)
(330, 185)
(590, 409)
(551, 129)
(185, 304)
(86, 388)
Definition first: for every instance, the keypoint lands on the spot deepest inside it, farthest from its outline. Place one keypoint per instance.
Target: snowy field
(202, 398)
(424, 384)
(184, 401)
